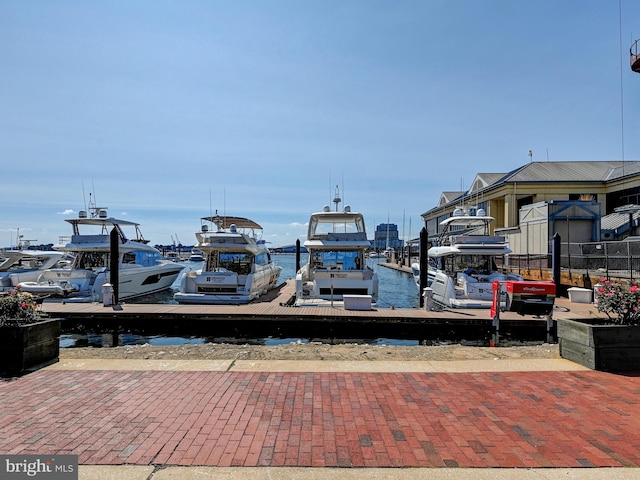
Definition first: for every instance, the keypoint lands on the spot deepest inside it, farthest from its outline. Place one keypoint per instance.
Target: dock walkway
(273, 307)
(272, 317)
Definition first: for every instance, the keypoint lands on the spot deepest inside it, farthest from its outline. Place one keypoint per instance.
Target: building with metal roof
(509, 198)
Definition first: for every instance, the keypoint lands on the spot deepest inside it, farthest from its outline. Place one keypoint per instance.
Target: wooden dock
(271, 316)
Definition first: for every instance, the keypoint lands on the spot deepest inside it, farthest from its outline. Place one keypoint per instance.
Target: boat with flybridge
(336, 267)
(238, 267)
(142, 268)
(463, 262)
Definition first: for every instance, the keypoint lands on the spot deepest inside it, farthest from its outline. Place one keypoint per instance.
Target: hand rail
(635, 56)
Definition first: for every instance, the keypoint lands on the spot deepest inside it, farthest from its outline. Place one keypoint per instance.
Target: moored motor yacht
(196, 256)
(336, 242)
(463, 260)
(238, 267)
(18, 266)
(142, 268)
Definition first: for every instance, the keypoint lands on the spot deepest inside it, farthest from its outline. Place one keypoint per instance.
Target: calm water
(396, 289)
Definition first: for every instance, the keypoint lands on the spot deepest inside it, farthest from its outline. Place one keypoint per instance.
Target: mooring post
(495, 334)
(114, 264)
(550, 336)
(555, 259)
(424, 264)
(496, 289)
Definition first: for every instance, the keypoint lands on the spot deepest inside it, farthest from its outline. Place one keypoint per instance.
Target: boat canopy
(225, 222)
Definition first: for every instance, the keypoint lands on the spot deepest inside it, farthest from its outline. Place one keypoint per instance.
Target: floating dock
(272, 316)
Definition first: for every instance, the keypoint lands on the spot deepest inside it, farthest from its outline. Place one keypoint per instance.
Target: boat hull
(227, 288)
(466, 291)
(86, 285)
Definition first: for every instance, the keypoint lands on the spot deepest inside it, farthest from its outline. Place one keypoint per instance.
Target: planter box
(609, 348)
(26, 348)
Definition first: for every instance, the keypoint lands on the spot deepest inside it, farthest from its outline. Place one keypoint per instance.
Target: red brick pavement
(525, 419)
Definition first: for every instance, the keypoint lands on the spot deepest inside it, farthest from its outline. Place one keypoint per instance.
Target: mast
(386, 247)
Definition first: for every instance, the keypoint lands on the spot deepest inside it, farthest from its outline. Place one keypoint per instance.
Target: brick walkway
(513, 419)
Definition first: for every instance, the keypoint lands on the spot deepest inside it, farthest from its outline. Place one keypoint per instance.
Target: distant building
(384, 231)
(537, 200)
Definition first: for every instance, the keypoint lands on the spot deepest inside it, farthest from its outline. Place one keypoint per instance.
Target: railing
(635, 56)
(619, 259)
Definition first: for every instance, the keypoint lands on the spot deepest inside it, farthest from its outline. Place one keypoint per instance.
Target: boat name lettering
(533, 289)
(218, 279)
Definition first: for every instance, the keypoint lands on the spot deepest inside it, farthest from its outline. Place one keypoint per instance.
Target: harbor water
(396, 290)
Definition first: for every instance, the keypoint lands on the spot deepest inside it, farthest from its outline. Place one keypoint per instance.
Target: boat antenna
(336, 198)
(210, 210)
(84, 197)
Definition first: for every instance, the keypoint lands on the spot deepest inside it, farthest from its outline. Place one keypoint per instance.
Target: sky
(166, 111)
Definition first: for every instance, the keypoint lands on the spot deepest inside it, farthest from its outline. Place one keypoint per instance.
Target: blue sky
(167, 110)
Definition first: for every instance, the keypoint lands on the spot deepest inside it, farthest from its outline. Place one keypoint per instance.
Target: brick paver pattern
(525, 419)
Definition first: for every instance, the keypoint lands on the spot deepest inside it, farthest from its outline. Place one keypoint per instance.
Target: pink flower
(633, 288)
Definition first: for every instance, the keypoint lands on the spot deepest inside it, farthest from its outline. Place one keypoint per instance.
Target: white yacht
(415, 271)
(464, 259)
(142, 268)
(336, 242)
(196, 256)
(237, 264)
(17, 266)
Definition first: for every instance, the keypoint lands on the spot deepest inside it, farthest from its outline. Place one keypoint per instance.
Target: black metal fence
(619, 259)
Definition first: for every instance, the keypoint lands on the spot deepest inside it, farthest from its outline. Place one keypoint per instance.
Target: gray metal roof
(615, 220)
(449, 197)
(488, 179)
(580, 171)
(562, 172)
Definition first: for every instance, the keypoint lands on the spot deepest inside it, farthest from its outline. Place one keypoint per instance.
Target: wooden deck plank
(274, 310)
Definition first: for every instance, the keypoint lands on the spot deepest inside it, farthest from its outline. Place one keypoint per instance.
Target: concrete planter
(609, 348)
(25, 348)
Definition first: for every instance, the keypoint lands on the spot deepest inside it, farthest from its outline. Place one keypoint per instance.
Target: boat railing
(635, 56)
(90, 238)
(477, 239)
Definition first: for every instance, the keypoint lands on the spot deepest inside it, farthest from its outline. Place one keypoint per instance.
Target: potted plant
(28, 340)
(611, 344)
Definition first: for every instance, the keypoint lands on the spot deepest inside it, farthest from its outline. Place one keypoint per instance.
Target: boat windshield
(337, 260)
(234, 262)
(142, 257)
(482, 264)
(322, 224)
(90, 260)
